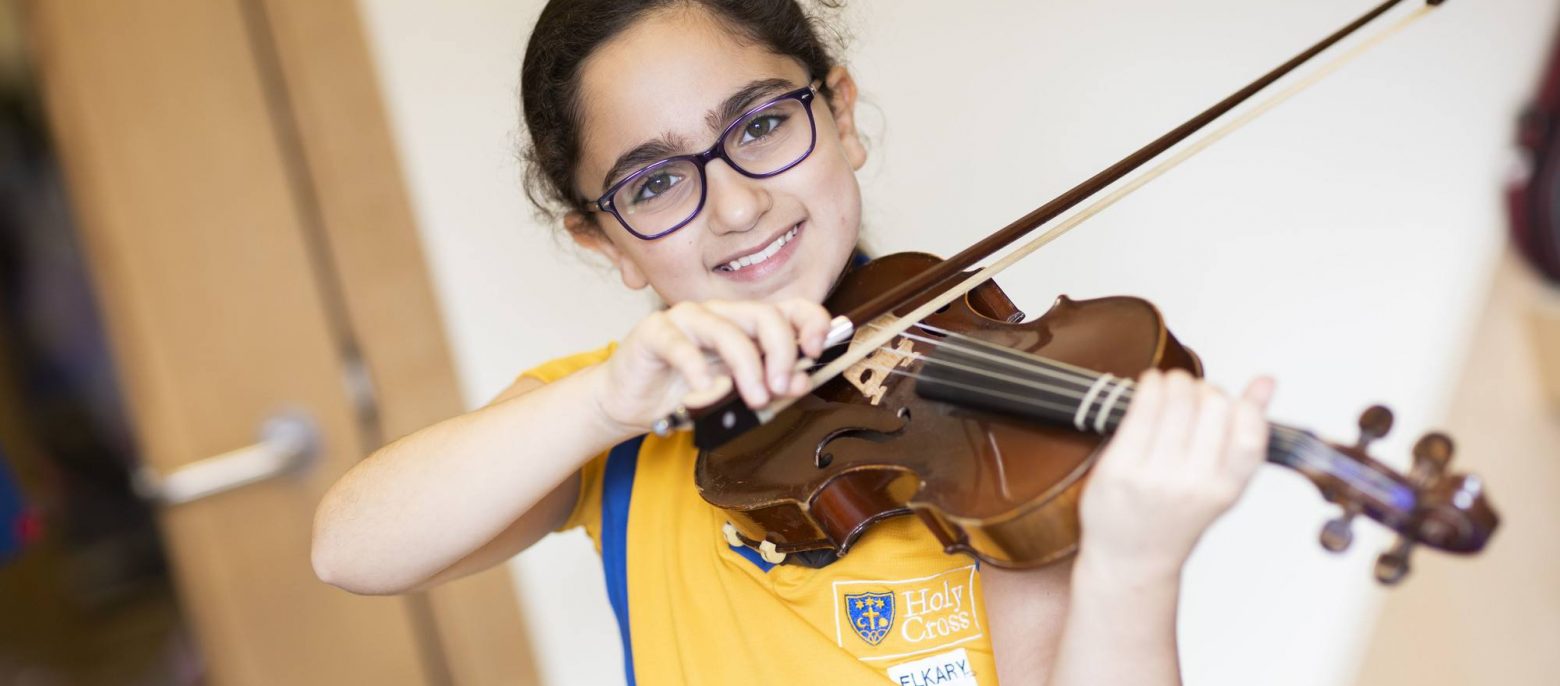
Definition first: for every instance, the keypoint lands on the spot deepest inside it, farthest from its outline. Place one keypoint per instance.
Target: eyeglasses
(664, 196)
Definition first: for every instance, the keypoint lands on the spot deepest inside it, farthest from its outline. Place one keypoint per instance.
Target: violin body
(865, 446)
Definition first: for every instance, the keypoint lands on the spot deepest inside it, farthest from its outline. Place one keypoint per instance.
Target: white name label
(945, 669)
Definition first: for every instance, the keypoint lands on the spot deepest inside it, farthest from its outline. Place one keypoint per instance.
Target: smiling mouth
(763, 254)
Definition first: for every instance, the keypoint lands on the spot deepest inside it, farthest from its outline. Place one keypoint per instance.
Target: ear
(842, 104)
(590, 236)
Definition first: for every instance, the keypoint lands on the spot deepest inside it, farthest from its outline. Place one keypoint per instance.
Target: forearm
(1179, 459)
(1027, 609)
(427, 500)
(1120, 627)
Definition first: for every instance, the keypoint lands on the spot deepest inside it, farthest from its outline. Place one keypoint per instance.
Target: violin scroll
(1447, 511)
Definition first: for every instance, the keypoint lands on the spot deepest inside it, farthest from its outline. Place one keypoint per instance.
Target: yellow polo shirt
(693, 609)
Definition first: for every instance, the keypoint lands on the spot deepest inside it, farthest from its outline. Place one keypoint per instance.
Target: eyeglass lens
(666, 194)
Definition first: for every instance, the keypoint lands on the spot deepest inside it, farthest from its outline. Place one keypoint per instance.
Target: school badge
(871, 615)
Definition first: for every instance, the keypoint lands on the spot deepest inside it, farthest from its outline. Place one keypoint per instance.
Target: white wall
(1340, 243)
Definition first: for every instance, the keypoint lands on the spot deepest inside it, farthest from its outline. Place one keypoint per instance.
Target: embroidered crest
(871, 615)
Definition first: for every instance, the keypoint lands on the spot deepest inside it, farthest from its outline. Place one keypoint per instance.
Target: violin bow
(719, 414)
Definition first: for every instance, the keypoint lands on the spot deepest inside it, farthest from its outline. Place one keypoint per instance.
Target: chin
(800, 289)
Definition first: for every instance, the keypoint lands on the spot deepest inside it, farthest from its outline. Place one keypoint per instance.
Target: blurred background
(290, 223)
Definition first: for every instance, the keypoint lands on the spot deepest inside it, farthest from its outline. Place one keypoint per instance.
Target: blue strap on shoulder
(859, 258)
(14, 515)
(616, 488)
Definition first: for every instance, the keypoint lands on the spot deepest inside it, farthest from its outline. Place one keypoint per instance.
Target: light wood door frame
(243, 215)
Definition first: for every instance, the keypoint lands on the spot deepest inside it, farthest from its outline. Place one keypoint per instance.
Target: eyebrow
(643, 154)
(744, 98)
(668, 145)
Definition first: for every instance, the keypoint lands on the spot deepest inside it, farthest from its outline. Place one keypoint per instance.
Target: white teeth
(762, 255)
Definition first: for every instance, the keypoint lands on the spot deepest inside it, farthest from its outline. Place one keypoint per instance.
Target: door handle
(288, 442)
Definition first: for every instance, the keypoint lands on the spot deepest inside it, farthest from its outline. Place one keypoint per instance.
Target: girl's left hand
(1182, 456)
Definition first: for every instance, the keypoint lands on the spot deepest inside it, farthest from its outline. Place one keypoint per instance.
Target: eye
(761, 127)
(653, 185)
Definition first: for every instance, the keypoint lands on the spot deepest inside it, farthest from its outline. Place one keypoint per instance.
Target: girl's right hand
(686, 347)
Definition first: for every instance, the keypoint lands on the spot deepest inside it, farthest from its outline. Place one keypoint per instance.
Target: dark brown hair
(569, 31)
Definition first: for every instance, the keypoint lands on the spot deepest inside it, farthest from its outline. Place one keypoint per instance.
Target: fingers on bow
(758, 342)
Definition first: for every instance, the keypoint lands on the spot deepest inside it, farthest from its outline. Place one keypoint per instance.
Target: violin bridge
(870, 374)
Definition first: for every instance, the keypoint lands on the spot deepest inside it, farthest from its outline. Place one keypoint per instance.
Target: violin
(937, 399)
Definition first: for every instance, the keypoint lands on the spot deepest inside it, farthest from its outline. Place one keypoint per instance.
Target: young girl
(707, 149)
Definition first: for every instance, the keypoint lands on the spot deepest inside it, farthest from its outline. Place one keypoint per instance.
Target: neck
(1006, 381)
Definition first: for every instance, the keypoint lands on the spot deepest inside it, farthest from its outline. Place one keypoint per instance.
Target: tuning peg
(1375, 422)
(1392, 565)
(1338, 533)
(1432, 454)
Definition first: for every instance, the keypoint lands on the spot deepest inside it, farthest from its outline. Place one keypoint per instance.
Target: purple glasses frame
(718, 150)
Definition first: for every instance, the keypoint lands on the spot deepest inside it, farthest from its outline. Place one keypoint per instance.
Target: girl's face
(663, 85)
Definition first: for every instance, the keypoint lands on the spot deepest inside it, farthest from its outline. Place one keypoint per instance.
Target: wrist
(596, 385)
(1097, 571)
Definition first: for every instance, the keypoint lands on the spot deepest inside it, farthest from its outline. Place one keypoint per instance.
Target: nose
(733, 202)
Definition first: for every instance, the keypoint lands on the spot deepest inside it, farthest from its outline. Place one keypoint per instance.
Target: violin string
(1009, 356)
(1318, 455)
(1001, 354)
(1039, 367)
(1290, 435)
(1031, 370)
(1281, 430)
(1294, 442)
(1284, 431)
(1294, 436)
(1116, 411)
(1025, 399)
(1063, 392)
(1088, 374)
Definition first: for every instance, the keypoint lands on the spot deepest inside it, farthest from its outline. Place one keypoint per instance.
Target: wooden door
(232, 174)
